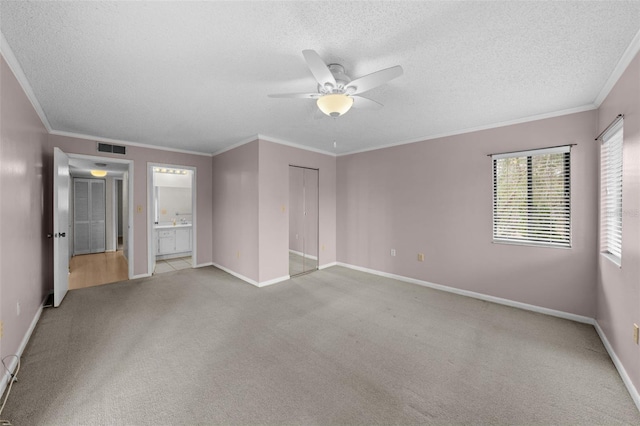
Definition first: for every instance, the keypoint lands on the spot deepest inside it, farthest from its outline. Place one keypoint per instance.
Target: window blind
(532, 197)
(611, 191)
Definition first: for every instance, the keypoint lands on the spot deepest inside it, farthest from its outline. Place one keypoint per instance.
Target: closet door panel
(303, 220)
(89, 215)
(98, 213)
(81, 222)
(311, 219)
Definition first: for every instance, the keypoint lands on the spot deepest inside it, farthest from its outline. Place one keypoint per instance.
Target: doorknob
(49, 235)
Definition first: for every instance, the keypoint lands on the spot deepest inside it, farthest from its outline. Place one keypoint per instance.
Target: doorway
(172, 217)
(303, 220)
(65, 168)
(99, 218)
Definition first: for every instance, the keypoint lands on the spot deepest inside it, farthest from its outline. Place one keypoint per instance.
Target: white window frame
(535, 234)
(611, 148)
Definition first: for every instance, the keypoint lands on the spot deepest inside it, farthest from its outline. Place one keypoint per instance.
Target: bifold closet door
(303, 220)
(88, 216)
(98, 215)
(310, 219)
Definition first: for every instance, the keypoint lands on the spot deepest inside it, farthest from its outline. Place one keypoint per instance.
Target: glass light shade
(335, 105)
(98, 173)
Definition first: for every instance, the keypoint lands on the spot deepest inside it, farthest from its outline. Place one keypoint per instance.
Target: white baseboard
(473, 294)
(14, 361)
(328, 265)
(274, 281)
(249, 280)
(203, 265)
(237, 275)
(616, 361)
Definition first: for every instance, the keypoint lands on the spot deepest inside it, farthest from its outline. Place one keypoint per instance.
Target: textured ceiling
(196, 75)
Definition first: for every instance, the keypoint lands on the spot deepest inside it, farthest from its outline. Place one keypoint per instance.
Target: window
(532, 197)
(611, 192)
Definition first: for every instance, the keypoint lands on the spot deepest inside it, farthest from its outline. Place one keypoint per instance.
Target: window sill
(530, 244)
(615, 259)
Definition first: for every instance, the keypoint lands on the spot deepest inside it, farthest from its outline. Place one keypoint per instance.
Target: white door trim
(151, 261)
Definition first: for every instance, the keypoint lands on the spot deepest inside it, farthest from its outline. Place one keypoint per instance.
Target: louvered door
(98, 214)
(89, 216)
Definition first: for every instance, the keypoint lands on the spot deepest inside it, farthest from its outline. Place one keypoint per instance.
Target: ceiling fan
(337, 93)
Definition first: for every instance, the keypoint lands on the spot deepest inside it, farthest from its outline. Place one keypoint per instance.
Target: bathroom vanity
(173, 240)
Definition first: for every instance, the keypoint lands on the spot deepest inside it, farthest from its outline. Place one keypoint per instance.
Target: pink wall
(275, 160)
(142, 156)
(251, 208)
(618, 289)
(235, 210)
(25, 257)
(435, 197)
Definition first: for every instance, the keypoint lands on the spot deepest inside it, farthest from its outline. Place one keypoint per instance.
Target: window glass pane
(611, 193)
(532, 199)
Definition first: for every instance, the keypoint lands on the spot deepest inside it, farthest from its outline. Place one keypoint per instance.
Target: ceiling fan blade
(375, 79)
(365, 103)
(318, 68)
(295, 95)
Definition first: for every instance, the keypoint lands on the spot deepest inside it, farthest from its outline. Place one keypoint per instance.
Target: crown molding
(15, 67)
(628, 55)
(121, 142)
(237, 145)
(588, 107)
(272, 140)
(295, 145)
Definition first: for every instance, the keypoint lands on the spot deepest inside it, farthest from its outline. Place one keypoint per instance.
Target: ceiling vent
(115, 149)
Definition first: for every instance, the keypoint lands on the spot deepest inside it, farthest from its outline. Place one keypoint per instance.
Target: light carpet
(336, 346)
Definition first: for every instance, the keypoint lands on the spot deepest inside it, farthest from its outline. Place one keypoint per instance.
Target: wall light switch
(420, 257)
(635, 333)
(393, 252)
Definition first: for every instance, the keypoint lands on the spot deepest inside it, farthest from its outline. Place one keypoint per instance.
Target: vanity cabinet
(183, 240)
(173, 240)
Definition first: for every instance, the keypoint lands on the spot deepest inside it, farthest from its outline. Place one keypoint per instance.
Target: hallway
(90, 270)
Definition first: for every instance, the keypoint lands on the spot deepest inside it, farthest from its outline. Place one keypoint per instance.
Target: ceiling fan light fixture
(98, 173)
(335, 105)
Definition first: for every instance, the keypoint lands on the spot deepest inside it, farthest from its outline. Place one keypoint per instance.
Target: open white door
(61, 184)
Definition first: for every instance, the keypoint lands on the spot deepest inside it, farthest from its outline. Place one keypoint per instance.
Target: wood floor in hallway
(89, 270)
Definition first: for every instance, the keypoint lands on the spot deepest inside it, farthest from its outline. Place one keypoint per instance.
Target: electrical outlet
(393, 252)
(636, 333)
(420, 257)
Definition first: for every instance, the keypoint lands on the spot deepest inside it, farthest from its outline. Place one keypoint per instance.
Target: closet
(303, 220)
(89, 212)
